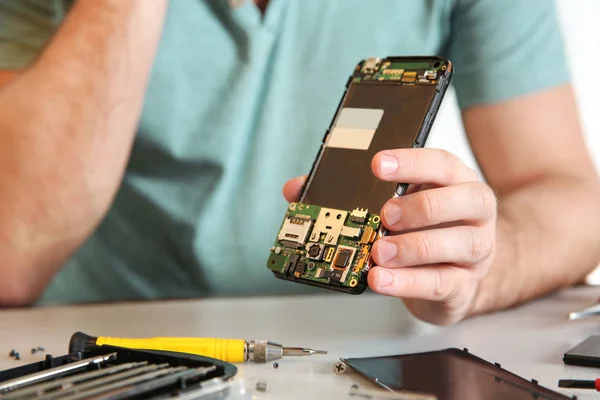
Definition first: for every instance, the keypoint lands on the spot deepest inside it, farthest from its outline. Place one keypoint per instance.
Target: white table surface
(529, 341)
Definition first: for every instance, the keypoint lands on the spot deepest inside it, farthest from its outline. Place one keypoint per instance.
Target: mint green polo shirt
(238, 103)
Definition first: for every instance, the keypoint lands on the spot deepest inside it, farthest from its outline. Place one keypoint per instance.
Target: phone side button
(436, 103)
(425, 129)
(443, 84)
(440, 85)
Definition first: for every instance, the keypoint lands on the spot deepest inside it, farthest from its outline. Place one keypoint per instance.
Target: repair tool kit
(108, 372)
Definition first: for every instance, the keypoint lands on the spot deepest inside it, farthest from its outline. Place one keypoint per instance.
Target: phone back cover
(373, 117)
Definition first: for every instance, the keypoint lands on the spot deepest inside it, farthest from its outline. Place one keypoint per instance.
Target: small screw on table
(339, 367)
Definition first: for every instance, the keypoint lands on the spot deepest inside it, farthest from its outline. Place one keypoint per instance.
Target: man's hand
(448, 234)
(443, 238)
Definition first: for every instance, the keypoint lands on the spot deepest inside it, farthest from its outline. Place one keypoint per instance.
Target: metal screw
(17, 356)
(12, 353)
(339, 367)
(40, 348)
(33, 350)
(275, 365)
(261, 386)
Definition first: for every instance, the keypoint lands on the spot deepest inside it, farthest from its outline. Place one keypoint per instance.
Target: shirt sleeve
(503, 49)
(25, 28)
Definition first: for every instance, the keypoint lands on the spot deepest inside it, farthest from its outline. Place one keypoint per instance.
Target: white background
(580, 24)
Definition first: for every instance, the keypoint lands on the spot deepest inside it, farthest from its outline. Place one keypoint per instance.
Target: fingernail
(386, 250)
(384, 278)
(388, 164)
(392, 213)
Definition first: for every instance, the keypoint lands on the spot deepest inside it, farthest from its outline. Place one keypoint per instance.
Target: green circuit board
(374, 69)
(324, 245)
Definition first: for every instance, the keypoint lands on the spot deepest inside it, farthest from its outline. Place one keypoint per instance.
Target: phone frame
(420, 141)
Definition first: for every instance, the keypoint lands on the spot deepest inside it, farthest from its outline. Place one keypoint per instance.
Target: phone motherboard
(324, 245)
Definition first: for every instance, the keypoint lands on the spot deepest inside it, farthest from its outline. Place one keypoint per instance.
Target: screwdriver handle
(228, 350)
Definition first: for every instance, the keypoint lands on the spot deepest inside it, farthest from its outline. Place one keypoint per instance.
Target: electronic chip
(336, 275)
(341, 261)
(344, 256)
(301, 267)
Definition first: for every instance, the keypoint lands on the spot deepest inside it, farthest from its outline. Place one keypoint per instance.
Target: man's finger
(434, 283)
(462, 244)
(292, 188)
(431, 166)
(470, 201)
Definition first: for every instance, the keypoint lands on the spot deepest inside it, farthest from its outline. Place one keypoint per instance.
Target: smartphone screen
(326, 237)
(450, 374)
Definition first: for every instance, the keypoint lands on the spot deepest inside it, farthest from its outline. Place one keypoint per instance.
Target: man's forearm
(67, 124)
(548, 237)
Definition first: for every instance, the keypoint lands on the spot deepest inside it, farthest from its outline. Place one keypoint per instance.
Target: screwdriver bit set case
(108, 372)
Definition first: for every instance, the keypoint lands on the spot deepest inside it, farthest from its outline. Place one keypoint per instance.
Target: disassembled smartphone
(326, 237)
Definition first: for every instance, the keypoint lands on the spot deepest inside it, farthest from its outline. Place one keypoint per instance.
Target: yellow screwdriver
(228, 350)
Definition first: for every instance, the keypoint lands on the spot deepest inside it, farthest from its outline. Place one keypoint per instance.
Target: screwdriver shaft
(301, 351)
(89, 394)
(38, 390)
(54, 372)
(140, 388)
(106, 380)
